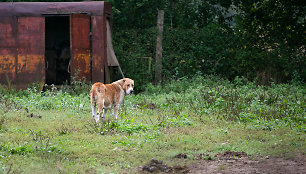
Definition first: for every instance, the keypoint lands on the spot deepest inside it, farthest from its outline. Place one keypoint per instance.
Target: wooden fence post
(159, 48)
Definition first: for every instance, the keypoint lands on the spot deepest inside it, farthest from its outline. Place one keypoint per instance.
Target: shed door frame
(80, 46)
(98, 43)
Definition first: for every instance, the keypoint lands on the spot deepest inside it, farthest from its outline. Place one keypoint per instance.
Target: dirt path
(233, 163)
(236, 162)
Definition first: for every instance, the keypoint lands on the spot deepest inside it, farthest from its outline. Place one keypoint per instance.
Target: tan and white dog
(104, 96)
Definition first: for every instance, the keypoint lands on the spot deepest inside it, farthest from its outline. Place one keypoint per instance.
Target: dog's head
(128, 85)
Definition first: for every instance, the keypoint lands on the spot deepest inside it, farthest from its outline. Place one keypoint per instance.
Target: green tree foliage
(275, 29)
(260, 39)
(179, 13)
(135, 14)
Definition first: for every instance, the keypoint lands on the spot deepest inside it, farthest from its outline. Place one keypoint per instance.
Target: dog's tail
(92, 97)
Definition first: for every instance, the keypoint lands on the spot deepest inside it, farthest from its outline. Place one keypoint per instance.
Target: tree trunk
(159, 48)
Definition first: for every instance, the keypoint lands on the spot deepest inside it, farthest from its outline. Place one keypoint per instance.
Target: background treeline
(262, 40)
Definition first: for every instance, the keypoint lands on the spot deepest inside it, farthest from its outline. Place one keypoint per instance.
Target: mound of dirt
(203, 156)
(181, 155)
(157, 166)
(228, 155)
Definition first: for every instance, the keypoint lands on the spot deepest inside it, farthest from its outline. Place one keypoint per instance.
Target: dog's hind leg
(98, 113)
(100, 109)
(116, 108)
(104, 114)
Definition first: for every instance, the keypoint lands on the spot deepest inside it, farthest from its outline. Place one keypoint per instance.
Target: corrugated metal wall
(22, 50)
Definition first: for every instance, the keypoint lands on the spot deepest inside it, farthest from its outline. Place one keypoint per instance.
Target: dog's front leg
(116, 108)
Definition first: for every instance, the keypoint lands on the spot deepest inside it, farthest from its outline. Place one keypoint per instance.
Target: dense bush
(214, 49)
(260, 40)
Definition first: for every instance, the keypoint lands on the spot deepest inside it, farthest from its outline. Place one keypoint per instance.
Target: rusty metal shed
(51, 42)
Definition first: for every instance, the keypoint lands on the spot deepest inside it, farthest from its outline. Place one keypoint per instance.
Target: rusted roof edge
(42, 8)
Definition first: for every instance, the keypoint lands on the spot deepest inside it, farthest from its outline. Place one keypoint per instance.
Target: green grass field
(53, 131)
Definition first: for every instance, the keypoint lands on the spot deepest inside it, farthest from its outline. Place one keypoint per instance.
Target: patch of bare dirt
(157, 166)
(231, 162)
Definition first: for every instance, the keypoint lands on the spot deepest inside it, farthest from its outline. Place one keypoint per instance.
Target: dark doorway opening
(57, 52)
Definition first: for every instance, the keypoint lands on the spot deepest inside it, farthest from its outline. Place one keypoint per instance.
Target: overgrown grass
(53, 131)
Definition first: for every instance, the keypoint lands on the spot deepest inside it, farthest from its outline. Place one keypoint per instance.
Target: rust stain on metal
(7, 63)
(7, 69)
